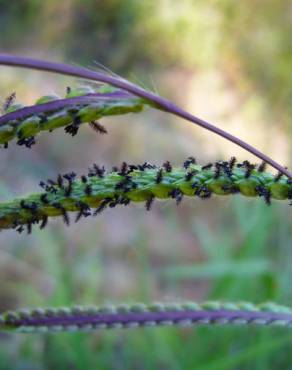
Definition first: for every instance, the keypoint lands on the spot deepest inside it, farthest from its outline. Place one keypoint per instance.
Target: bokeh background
(227, 62)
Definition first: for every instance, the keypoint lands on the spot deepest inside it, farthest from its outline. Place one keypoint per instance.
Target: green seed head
(92, 193)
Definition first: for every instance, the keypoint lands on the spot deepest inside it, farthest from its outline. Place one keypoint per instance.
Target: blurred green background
(228, 62)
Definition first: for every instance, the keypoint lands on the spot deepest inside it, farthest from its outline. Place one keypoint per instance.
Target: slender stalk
(137, 315)
(158, 102)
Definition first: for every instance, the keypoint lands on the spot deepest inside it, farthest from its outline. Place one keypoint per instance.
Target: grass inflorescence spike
(92, 193)
(81, 105)
(145, 315)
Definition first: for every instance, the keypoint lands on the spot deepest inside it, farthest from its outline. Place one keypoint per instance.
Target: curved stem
(158, 101)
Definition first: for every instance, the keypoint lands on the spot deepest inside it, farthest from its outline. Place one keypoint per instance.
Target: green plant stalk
(141, 184)
(81, 105)
(136, 315)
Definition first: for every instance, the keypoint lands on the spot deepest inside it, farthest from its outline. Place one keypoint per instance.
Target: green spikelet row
(110, 102)
(92, 193)
(145, 315)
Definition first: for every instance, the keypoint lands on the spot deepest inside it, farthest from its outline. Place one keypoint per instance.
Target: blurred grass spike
(142, 315)
(92, 193)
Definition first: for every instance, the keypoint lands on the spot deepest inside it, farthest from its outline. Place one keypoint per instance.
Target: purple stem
(61, 103)
(161, 103)
(157, 317)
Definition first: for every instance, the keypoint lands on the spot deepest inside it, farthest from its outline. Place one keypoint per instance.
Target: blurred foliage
(261, 43)
(233, 249)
